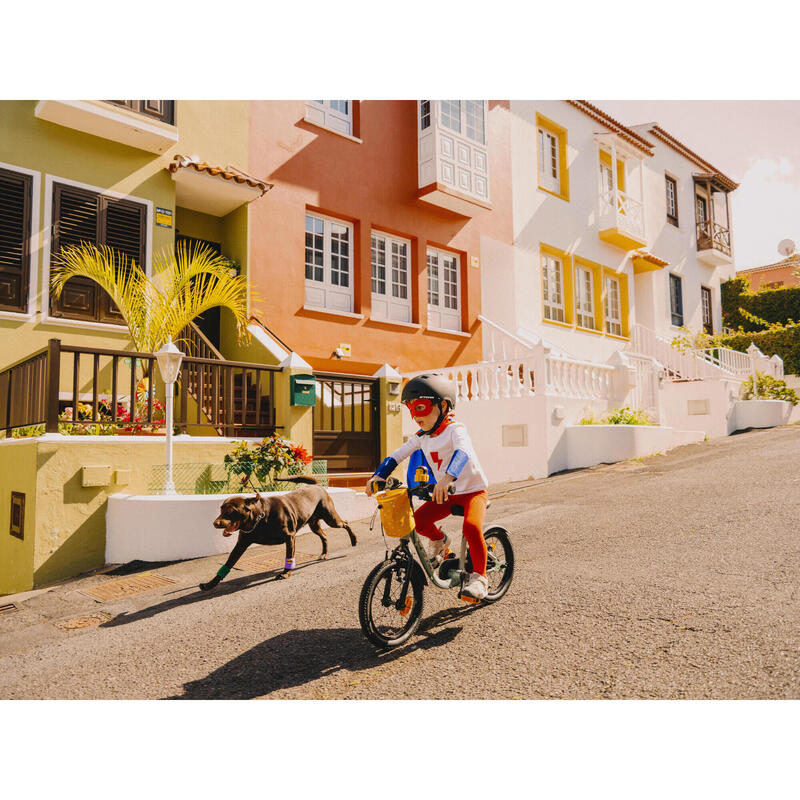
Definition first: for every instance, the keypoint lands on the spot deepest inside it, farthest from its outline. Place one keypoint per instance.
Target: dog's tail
(298, 479)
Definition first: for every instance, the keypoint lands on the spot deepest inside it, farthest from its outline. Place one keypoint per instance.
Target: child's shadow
(298, 657)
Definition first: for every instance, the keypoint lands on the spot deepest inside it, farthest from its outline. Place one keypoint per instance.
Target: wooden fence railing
(115, 389)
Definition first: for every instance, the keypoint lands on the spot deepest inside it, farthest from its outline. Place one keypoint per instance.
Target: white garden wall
(173, 527)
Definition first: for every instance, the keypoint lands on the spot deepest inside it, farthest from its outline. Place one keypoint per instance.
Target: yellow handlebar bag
(397, 515)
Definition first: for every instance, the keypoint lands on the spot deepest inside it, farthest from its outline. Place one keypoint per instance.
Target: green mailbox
(303, 389)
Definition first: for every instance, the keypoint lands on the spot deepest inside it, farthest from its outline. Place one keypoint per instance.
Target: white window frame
(329, 114)
(673, 312)
(441, 314)
(613, 321)
(33, 243)
(554, 307)
(584, 300)
(327, 293)
(389, 304)
(549, 149)
(468, 112)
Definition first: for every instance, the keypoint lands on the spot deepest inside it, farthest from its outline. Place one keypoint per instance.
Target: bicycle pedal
(407, 607)
(467, 599)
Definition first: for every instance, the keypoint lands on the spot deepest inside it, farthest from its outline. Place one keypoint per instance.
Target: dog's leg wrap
(223, 571)
(289, 563)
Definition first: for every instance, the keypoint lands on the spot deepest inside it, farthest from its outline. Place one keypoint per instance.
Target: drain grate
(268, 561)
(7, 608)
(114, 590)
(88, 621)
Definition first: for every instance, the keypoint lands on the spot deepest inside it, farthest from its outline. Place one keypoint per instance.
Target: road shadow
(229, 586)
(299, 657)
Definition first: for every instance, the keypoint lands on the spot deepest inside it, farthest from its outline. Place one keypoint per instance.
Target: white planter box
(169, 528)
(760, 413)
(588, 445)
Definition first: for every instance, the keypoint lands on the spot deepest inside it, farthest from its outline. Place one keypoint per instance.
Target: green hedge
(784, 341)
(780, 305)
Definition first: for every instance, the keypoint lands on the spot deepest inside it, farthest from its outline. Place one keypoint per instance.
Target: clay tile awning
(644, 261)
(213, 190)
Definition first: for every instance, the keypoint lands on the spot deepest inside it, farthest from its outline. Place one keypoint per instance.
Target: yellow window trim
(561, 134)
(568, 288)
(624, 306)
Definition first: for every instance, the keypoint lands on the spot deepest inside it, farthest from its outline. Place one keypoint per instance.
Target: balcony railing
(712, 236)
(163, 110)
(621, 211)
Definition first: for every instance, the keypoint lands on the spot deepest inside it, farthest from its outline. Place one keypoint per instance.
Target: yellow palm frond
(185, 285)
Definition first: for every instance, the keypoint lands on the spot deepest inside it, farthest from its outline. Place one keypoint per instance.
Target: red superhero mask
(420, 407)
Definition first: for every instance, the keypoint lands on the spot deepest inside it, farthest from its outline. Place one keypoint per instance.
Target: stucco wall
(65, 522)
(17, 474)
(369, 183)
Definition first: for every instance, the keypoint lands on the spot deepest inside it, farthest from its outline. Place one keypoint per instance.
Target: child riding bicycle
(450, 458)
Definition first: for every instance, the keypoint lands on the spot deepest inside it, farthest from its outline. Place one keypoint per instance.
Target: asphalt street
(674, 576)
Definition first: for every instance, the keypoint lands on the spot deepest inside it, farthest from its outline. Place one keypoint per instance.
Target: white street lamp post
(752, 351)
(169, 362)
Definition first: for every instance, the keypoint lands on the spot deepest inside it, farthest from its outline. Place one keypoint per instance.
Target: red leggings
(474, 505)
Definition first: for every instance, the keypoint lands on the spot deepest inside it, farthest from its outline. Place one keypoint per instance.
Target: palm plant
(184, 285)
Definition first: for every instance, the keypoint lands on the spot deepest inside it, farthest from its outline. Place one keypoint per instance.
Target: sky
(754, 142)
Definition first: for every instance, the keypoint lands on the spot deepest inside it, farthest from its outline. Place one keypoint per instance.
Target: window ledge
(451, 332)
(563, 197)
(20, 316)
(620, 338)
(588, 330)
(331, 312)
(558, 324)
(335, 133)
(395, 323)
(94, 326)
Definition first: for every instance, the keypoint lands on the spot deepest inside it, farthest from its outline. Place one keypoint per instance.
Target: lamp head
(169, 361)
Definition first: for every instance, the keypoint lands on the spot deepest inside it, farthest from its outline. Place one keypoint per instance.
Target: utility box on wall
(303, 390)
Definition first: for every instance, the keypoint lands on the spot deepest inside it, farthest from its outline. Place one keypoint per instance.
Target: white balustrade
(622, 211)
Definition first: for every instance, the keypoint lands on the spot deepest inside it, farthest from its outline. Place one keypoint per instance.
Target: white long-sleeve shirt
(444, 454)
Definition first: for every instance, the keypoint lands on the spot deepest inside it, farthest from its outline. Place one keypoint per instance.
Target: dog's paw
(284, 575)
(207, 587)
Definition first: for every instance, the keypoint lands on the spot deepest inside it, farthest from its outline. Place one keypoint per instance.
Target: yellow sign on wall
(345, 351)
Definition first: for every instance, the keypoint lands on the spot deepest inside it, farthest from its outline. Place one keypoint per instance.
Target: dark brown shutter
(123, 227)
(76, 222)
(84, 216)
(15, 231)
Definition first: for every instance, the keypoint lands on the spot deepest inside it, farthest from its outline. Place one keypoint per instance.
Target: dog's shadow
(299, 657)
(226, 587)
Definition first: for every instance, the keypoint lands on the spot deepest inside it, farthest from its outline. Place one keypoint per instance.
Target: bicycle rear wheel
(499, 562)
(385, 621)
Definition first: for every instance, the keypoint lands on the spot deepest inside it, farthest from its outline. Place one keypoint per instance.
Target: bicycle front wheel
(385, 620)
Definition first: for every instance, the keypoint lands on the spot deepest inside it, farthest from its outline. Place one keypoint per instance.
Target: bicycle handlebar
(423, 491)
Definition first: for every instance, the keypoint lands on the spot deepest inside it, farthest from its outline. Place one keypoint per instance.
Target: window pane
(424, 114)
(340, 255)
(433, 279)
(314, 248)
(451, 114)
(473, 110)
(399, 270)
(378, 265)
(450, 265)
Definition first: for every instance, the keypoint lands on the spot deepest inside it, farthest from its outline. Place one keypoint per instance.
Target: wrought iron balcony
(713, 243)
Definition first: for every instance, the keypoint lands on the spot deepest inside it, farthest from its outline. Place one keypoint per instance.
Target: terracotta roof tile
(709, 170)
(229, 174)
(647, 256)
(617, 127)
(792, 261)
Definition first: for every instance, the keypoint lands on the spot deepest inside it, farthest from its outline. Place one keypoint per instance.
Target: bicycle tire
(499, 537)
(382, 633)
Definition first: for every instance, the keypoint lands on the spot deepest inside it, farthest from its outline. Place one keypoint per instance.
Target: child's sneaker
(476, 588)
(439, 550)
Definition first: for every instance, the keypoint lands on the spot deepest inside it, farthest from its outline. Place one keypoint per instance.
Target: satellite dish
(786, 247)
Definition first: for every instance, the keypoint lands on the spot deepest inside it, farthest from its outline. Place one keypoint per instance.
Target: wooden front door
(346, 425)
(208, 321)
